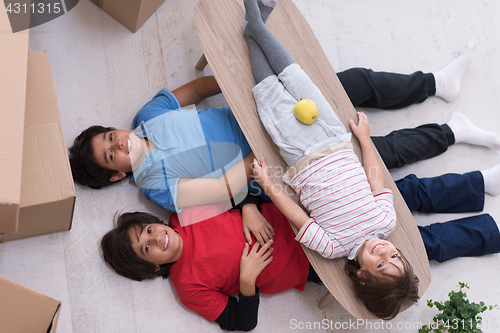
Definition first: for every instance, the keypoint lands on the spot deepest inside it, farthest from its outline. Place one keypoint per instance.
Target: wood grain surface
(226, 50)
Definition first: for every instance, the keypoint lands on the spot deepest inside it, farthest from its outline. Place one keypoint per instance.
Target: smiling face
(156, 243)
(380, 256)
(117, 150)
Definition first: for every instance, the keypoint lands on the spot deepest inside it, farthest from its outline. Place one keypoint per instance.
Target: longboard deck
(226, 50)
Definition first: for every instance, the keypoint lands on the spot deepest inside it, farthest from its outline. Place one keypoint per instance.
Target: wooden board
(226, 50)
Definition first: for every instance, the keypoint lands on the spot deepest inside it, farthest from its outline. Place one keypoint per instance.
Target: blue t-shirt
(178, 134)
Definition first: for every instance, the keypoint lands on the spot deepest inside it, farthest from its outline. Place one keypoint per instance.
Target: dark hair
(118, 253)
(84, 167)
(384, 296)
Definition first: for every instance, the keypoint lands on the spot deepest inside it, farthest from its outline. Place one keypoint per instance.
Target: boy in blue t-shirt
(177, 157)
(189, 144)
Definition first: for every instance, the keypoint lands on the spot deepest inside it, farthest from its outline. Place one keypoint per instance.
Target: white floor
(103, 74)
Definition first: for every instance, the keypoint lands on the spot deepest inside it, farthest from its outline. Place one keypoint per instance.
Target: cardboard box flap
(41, 106)
(13, 69)
(43, 173)
(25, 310)
(46, 169)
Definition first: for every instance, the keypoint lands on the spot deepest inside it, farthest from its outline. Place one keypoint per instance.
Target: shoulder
(162, 197)
(164, 101)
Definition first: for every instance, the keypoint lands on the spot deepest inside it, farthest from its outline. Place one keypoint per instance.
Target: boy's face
(380, 256)
(156, 243)
(117, 150)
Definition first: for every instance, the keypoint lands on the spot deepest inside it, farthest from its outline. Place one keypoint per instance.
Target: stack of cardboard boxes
(37, 194)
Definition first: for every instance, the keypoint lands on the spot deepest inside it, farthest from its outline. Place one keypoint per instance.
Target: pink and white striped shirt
(344, 212)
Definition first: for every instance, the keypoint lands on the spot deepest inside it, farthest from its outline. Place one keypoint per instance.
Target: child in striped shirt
(350, 210)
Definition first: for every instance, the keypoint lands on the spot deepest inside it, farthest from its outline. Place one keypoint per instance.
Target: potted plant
(457, 315)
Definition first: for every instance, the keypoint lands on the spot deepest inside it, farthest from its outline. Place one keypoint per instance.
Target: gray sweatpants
(276, 96)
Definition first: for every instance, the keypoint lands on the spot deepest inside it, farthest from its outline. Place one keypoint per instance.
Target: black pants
(382, 90)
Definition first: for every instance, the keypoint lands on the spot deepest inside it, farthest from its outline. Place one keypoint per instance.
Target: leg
(202, 63)
(276, 98)
(449, 193)
(296, 82)
(325, 300)
(492, 180)
(407, 146)
(465, 131)
(448, 79)
(467, 237)
(382, 90)
(260, 65)
(253, 26)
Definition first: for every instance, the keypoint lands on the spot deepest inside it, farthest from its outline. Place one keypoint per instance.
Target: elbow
(329, 255)
(223, 192)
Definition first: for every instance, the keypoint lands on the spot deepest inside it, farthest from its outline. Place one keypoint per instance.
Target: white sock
(448, 79)
(492, 180)
(465, 131)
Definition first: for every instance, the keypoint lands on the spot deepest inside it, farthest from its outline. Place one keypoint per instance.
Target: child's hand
(253, 263)
(362, 130)
(255, 223)
(260, 172)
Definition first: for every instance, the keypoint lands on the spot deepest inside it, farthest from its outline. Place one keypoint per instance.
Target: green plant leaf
(457, 309)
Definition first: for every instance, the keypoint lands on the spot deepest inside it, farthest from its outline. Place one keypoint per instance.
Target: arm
(370, 162)
(310, 233)
(204, 191)
(287, 206)
(197, 90)
(240, 314)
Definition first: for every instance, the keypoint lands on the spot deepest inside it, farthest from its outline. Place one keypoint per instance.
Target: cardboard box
(47, 188)
(131, 13)
(13, 68)
(26, 311)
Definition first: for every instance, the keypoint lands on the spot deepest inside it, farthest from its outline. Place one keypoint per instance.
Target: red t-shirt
(209, 267)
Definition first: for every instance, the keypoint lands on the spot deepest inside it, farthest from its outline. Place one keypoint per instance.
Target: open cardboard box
(13, 69)
(131, 13)
(47, 189)
(26, 311)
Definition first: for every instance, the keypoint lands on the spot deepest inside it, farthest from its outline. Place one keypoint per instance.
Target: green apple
(306, 111)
